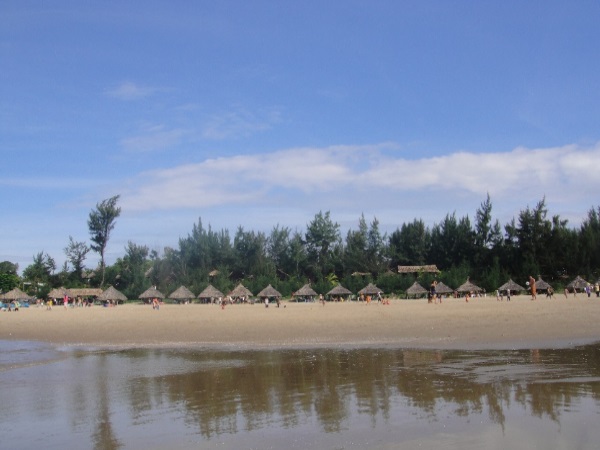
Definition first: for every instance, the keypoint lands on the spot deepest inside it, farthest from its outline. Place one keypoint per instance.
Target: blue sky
(258, 113)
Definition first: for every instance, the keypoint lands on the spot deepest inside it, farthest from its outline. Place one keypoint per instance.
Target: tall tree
(76, 253)
(322, 237)
(355, 252)
(410, 244)
(8, 276)
(38, 273)
(100, 223)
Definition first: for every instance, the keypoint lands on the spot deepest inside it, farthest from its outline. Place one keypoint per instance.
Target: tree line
(533, 243)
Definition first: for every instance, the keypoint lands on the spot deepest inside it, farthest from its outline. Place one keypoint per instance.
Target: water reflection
(155, 398)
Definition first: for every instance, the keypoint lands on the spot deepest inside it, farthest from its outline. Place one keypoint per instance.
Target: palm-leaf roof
(151, 292)
(182, 293)
(339, 290)
(510, 285)
(241, 291)
(305, 291)
(269, 291)
(467, 286)
(211, 292)
(416, 289)
(370, 289)
(112, 294)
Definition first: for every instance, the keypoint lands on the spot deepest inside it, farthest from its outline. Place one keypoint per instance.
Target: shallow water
(298, 399)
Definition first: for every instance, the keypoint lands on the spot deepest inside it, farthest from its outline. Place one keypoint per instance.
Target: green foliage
(532, 243)
(8, 267)
(8, 281)
(101, 222)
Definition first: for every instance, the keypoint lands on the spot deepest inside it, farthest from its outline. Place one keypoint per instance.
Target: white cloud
(128, 90)
(366, 178)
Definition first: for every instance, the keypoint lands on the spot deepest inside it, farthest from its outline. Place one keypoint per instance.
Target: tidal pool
(366, 398)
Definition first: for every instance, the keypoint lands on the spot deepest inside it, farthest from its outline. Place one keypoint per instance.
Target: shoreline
(481, 324)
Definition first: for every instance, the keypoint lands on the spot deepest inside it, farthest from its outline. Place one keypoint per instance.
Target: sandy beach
(483, 323)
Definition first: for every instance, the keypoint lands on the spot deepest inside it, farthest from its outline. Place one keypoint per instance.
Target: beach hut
(369, 291)
(541, 285)
(112, 295)
(182, 294)
(58, 293)
(269, 293)
(510, 285)
(151, 293)
(339, 291)
(305, 293)
(578, 284)
(467, 286)
(241, 292)
(15, 294)
(441, 288)
(416, 289)
(210, 294)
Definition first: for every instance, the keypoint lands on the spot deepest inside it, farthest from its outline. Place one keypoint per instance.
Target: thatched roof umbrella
(15, 294)
(578, 283)
(441, 288)
(305, 292)
(210, 293)
(182, 293)
(112, 294)
(541, 285)
(269, 291)
(467, 286)
(58, 293)
(510, 285)
(370, 289)
(151, 292)
(416, 289)
(240, 291)
(339, 291)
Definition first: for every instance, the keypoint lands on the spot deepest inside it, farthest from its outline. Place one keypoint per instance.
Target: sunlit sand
(482, 323)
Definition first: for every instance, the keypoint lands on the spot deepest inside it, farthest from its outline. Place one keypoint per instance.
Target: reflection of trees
(225, 392)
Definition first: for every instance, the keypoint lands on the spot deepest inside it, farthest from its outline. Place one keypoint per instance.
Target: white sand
(482, 323)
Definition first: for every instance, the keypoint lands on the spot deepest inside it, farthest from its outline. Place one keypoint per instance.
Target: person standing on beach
(532, 287)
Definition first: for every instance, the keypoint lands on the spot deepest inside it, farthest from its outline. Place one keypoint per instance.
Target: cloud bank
(375, 175)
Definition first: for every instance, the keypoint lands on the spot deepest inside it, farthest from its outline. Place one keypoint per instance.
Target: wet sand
(483, 323)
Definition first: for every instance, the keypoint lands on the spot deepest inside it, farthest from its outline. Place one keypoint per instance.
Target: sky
(263, 113)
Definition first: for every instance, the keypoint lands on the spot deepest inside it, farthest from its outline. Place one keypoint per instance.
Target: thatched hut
(182, 294)
(269, 292)
(416, 289)
(15, 294)
(151, 293)
(541, 285)
(305, 293)
(84, 292)
(511, 286)
(441, 288)
(112, 295)
(578, 284)
(241, 292)
(210, 294)
(340, 292)
(369, 290)
(59, 293)
(430, 268)
(467, 286)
